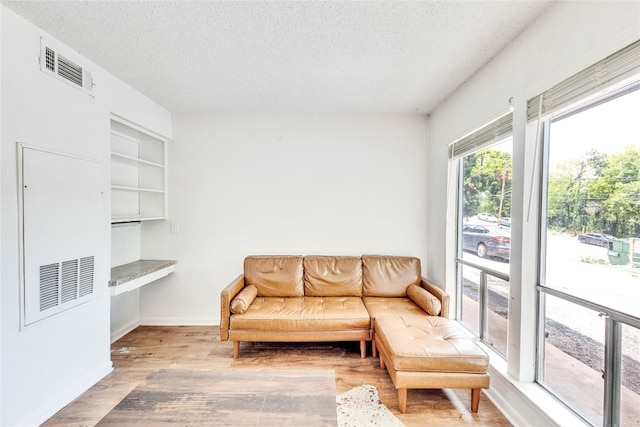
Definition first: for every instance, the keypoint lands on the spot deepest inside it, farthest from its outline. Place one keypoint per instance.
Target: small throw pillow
(243, 300)
(424, 299)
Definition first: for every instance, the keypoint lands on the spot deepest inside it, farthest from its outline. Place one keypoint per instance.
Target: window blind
(608, 72)
(487, 135)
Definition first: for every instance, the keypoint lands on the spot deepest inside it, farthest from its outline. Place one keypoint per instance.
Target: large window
(484, 232)
(556, 291)
(589, 341)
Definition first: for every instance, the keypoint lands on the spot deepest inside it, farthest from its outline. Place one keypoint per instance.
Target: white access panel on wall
(63, 222)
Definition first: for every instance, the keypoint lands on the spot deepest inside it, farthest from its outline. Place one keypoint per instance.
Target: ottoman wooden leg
(475, 399)
(402, 400)
(363, 349)
(236, 349)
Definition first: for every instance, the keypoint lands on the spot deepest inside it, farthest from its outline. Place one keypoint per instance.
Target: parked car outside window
(506, 221)
(487, 241)
(598, 239)
(483, 216)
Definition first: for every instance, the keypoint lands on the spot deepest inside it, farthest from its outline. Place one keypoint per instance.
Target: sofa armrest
(226, 296)
(438, 293)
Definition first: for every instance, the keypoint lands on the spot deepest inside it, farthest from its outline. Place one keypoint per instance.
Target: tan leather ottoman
(429, 352)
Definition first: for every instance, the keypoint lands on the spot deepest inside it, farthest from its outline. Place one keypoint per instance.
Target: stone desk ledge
(127, 277)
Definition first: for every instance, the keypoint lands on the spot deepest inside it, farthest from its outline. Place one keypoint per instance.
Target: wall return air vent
(64, 282)
(55, 64)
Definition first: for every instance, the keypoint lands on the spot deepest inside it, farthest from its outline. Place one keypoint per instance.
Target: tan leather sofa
(383, 299)
(318, 298)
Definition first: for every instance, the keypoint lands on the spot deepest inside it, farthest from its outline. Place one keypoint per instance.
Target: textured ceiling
(314, 57)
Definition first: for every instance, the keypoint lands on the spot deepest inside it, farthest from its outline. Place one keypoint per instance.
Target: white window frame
(493, 133)
(605, 80)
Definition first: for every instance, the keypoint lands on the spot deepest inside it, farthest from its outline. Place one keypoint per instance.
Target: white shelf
(133, 218)
(125, 136)
(138, 173)
(125, 188)
(134, 160)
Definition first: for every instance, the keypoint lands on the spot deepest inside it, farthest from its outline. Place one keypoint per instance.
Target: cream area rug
(361, 407)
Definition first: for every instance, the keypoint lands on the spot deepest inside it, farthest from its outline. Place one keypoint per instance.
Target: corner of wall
(66, 395)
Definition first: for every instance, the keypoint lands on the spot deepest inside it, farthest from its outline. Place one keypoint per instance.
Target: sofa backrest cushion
(332, 276)
(389, 276)
(275, 275)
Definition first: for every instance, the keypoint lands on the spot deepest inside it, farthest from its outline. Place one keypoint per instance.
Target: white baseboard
(116, 335)
(517, 408)
(525, 404)
(62, 399)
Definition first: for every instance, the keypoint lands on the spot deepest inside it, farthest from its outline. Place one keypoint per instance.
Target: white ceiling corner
(290, 57)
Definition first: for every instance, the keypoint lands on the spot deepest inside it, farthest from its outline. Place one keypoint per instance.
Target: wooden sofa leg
(374, 350)
(236, 349)
(402, 400)
(363, 349)
(475, 399)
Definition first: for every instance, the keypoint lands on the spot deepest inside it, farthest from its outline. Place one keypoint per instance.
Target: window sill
(522, 403)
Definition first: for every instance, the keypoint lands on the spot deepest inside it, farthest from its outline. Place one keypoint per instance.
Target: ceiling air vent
(70, 71)
(63, 68)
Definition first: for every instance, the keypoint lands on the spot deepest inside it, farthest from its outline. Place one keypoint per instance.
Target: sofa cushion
(383, 306)
(243, 300)
(389, 276)
(332, 276)
(424, 299)
(303, 314)
(428, 344)
(275, 276)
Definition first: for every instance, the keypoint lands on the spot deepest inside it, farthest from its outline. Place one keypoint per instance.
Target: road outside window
(485, 243)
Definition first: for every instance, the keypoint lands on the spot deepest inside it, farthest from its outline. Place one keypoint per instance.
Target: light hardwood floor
(150, 348)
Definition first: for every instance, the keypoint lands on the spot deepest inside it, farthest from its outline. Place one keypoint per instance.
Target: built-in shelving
(138, 173)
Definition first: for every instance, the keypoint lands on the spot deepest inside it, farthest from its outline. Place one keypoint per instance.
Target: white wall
(1, 197)
(549, 51)
(282, 184)
(567, 38)
(46, 365)
(125, 308)
(69, 351)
